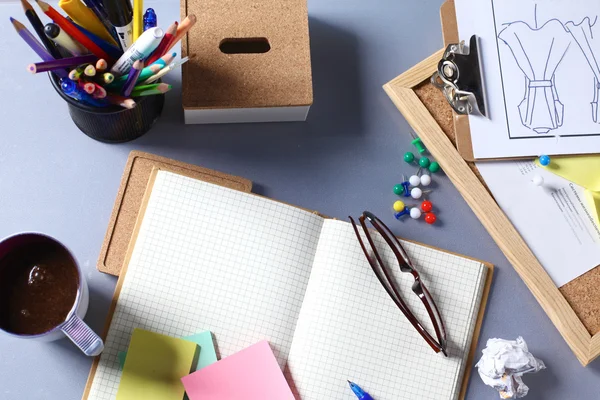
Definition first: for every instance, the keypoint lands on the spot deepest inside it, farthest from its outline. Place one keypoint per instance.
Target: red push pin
(430, 218)
(426, 206)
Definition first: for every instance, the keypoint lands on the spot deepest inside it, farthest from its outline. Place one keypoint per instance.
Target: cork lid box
(249, 61)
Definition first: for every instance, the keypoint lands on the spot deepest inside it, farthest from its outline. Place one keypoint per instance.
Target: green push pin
(398, 189)
(418, 143)
(424, 162)
(409, 157)
(434, 167)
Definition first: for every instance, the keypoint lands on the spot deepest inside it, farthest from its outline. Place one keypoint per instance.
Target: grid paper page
(212, 258)
(349, 328)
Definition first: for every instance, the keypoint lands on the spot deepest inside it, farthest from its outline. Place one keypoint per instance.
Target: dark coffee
(38, 287)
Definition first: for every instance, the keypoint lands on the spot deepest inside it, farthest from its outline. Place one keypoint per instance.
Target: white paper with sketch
(541, 66)
(249, 269)
(553, 219)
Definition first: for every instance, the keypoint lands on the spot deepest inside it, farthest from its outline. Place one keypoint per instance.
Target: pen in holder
(113, 124)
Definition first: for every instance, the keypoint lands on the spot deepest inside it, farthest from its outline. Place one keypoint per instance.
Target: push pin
(409, 157)
(425, 180)
(544, 160)
(416, 193)
(415, 213)
(415, 180)
(400, 209)
(430, 218)
(537, 180)
(398, 189)
(417, 143)
(424, 162)
(434, 167)
(426, 206)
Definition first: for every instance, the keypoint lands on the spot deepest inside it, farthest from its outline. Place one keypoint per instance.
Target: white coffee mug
(73, 326)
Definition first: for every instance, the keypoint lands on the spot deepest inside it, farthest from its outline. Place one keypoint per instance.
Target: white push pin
(416, 193)
(425, 180)
(414, 180)
(415, 213)
(537, 181)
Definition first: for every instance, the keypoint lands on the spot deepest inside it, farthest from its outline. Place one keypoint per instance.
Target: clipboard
(571, 308)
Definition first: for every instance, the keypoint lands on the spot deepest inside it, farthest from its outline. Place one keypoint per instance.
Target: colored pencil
(165, 71)
(148, 90)
(90, 70)
(164, 43)
(121, 101)
(72, 31)
(76, 73)
(165, 60)
(99, 92)
(101, 65)
(138, 23)
(83, 16)
(182, 29)
(134, 74)
(115, 52)
(145, 74)
(62, 63)
(107, 78)
(88, 87)
(38, 26)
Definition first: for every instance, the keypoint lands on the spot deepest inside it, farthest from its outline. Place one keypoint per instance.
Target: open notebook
(248, 269)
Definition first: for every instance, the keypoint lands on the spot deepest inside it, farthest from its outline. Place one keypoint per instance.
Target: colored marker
(120, 16)
(148, 90)
(132, 77)
(141, 49)
(61, 63)
(360, 394)
(162, 47)
(39, 29)
(71, 30)
(53, 31)
(150, 19)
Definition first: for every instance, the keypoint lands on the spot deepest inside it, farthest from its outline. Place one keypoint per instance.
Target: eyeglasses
(384, 275)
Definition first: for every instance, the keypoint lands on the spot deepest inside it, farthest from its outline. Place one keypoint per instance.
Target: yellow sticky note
(154, 367)
(581, 170)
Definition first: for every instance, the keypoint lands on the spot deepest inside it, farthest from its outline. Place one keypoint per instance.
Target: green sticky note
(208, 355)
(154, 367)
(204, 340)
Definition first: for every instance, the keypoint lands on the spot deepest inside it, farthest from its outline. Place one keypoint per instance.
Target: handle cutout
(255, 45)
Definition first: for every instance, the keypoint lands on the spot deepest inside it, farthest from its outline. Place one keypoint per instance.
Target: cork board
(138, 171)
(581, 293)
(279, 77)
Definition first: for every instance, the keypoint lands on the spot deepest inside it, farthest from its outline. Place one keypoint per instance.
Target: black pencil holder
(113, 124)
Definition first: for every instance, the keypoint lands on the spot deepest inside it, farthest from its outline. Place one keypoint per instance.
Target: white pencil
(165, 71)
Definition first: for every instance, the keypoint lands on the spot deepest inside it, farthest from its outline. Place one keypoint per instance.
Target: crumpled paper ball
(503, 364)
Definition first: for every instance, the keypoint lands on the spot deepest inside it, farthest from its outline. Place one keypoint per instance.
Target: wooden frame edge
(401, 91)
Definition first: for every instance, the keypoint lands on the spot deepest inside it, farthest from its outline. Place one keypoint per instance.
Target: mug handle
(83, 336)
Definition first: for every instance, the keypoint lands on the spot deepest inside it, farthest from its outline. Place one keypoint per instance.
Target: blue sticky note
(204, 340)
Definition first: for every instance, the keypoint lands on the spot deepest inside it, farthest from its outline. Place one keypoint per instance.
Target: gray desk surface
(344, 159)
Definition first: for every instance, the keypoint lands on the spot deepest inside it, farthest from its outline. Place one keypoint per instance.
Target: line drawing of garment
(538, 53)
(590, 46)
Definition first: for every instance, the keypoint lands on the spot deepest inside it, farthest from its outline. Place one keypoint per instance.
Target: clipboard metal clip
(459, 77)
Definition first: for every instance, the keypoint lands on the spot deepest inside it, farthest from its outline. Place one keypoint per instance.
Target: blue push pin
(406, 185)
(544, 160)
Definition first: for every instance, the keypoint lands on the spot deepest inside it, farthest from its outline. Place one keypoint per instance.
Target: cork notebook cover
(135, 178)
(581, 293)
(279, 77)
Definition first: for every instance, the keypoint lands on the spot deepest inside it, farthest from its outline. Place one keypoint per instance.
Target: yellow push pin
(399, 206)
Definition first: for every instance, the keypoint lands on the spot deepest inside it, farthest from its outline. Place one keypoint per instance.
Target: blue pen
(150, 19)
(361, 394)
(71, 89)
(112, 51)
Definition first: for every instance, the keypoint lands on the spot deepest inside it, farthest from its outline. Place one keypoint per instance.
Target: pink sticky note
(253, 373)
